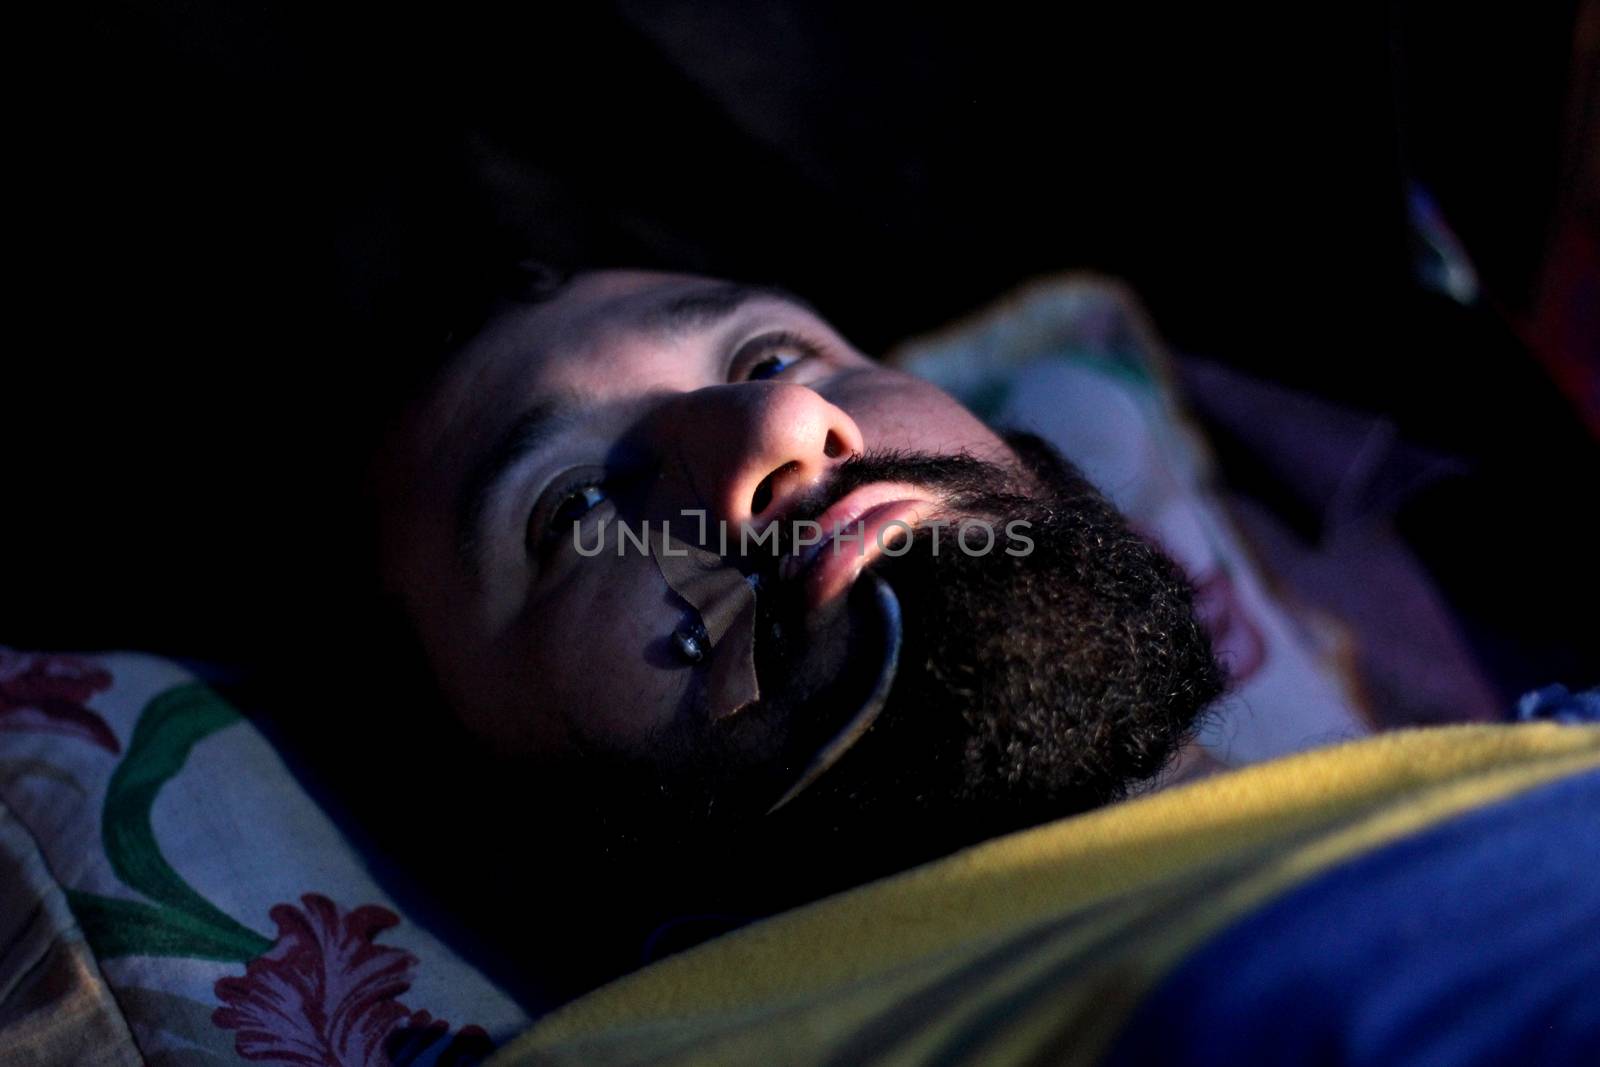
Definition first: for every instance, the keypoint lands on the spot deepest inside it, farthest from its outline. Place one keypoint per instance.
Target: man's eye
(770, 355)
(575, 505)
(772, 366)
(553, 519)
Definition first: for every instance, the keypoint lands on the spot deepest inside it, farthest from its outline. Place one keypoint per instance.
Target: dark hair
(422, 326)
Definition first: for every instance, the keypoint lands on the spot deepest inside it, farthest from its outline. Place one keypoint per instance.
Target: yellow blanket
(1096, 907)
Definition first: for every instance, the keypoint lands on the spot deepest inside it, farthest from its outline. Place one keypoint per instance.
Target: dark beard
(1030, 687)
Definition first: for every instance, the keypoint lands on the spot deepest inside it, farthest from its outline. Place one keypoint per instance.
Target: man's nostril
(832, 447)
(762, 498)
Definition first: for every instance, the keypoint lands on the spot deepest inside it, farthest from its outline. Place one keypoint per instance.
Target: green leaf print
(117, 927)
(181, 922)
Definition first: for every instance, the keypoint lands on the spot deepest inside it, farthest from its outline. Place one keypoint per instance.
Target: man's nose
(750, 450)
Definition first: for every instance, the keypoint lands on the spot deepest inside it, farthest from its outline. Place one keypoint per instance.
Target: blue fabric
(1475, 942)
(1554, 703)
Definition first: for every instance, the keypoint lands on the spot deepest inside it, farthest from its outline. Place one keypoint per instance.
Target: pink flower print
(325, 994)
(48, 693)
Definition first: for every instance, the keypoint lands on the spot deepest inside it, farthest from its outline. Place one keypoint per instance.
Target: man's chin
(833, 606)
(816, 684)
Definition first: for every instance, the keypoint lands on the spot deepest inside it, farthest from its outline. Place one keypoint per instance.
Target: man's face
(634, 397)
(1031, 681)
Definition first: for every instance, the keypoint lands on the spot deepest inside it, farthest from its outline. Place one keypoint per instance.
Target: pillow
(54, 1007)
(230, 919)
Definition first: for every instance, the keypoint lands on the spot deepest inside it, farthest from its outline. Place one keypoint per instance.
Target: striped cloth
(55, 1007)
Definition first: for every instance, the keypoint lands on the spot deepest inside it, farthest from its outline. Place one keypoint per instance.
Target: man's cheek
(902, 412)
(613, 677)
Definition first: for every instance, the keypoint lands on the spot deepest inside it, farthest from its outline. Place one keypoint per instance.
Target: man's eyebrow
(707, 305)
(525, 434)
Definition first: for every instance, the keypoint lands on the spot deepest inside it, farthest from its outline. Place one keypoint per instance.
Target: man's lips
(863, 516)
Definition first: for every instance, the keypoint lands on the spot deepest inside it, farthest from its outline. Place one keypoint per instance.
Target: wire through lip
(893, 627)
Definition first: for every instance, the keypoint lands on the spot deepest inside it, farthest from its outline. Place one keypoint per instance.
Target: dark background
(244, 220)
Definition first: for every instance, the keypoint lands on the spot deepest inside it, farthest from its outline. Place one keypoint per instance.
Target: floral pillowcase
(230, 919)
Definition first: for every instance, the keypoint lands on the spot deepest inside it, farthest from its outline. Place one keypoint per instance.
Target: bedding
(54, 1005)
(1423, 896)
(170, 896)
(204, 906)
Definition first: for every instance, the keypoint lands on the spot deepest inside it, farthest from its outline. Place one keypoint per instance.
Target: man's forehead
(560, 349)
(524, 343)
